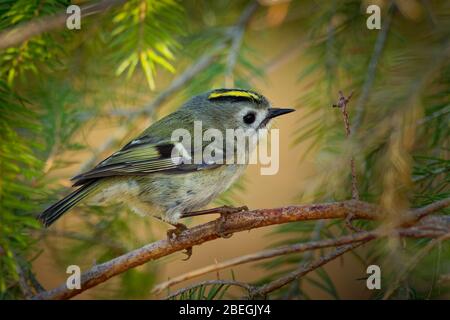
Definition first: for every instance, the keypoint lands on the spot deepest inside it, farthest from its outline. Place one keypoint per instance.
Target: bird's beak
(275, 112)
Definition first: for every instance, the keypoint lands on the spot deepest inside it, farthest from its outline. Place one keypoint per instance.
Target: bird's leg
(223, 211)
(172, 234)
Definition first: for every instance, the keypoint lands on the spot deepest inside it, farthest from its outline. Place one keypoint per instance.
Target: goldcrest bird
(144, 173)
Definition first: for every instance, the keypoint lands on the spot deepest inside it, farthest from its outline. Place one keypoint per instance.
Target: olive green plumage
(144, 175)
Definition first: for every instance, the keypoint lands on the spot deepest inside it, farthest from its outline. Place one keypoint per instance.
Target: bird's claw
(172, 234)
(188, 253)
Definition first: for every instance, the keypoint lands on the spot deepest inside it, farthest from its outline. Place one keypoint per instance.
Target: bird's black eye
(249, 118)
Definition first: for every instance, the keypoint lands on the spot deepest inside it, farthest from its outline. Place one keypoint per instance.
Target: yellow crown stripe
(233, 93)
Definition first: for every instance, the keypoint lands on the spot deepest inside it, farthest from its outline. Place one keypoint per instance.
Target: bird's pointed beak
(276, 112)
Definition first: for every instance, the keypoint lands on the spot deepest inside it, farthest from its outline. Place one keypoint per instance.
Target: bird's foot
(173, 234)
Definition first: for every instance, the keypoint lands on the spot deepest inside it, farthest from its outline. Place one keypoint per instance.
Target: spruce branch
(210, 231)
(297, 248)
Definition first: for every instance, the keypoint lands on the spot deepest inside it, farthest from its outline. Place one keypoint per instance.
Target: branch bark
(237, 222)
(363, 236)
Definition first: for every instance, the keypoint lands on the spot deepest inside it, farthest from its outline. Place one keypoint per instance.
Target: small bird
(145, 175)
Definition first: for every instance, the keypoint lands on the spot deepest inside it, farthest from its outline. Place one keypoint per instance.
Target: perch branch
(297, 248)
(197, 235)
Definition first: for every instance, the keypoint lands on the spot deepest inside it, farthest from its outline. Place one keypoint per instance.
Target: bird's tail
(52, 213)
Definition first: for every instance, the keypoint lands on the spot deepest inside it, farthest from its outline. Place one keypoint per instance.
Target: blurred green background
(69, 98)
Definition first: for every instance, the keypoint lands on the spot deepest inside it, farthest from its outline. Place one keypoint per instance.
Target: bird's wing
(142, 157)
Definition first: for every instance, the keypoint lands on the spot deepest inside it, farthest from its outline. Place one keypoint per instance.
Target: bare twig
(27, 291)
(342, 105)
(244, 285)
(18, 34)
(294, 275)
(419, 213)
(27, 282)
(237, 222)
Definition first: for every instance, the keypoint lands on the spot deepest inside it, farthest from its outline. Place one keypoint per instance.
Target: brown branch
(26, 289)
(208, 232)
(197, 235)
(18, 34)
(262, 255)
(297, 248)
(420, 213)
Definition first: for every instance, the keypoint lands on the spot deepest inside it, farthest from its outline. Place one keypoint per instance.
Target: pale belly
(169, 195)
(186, 192)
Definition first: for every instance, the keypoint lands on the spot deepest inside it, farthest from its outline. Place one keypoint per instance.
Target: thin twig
(419, 213)
(294, 275)
(23, 281)
(176, 85)
(342, 105)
